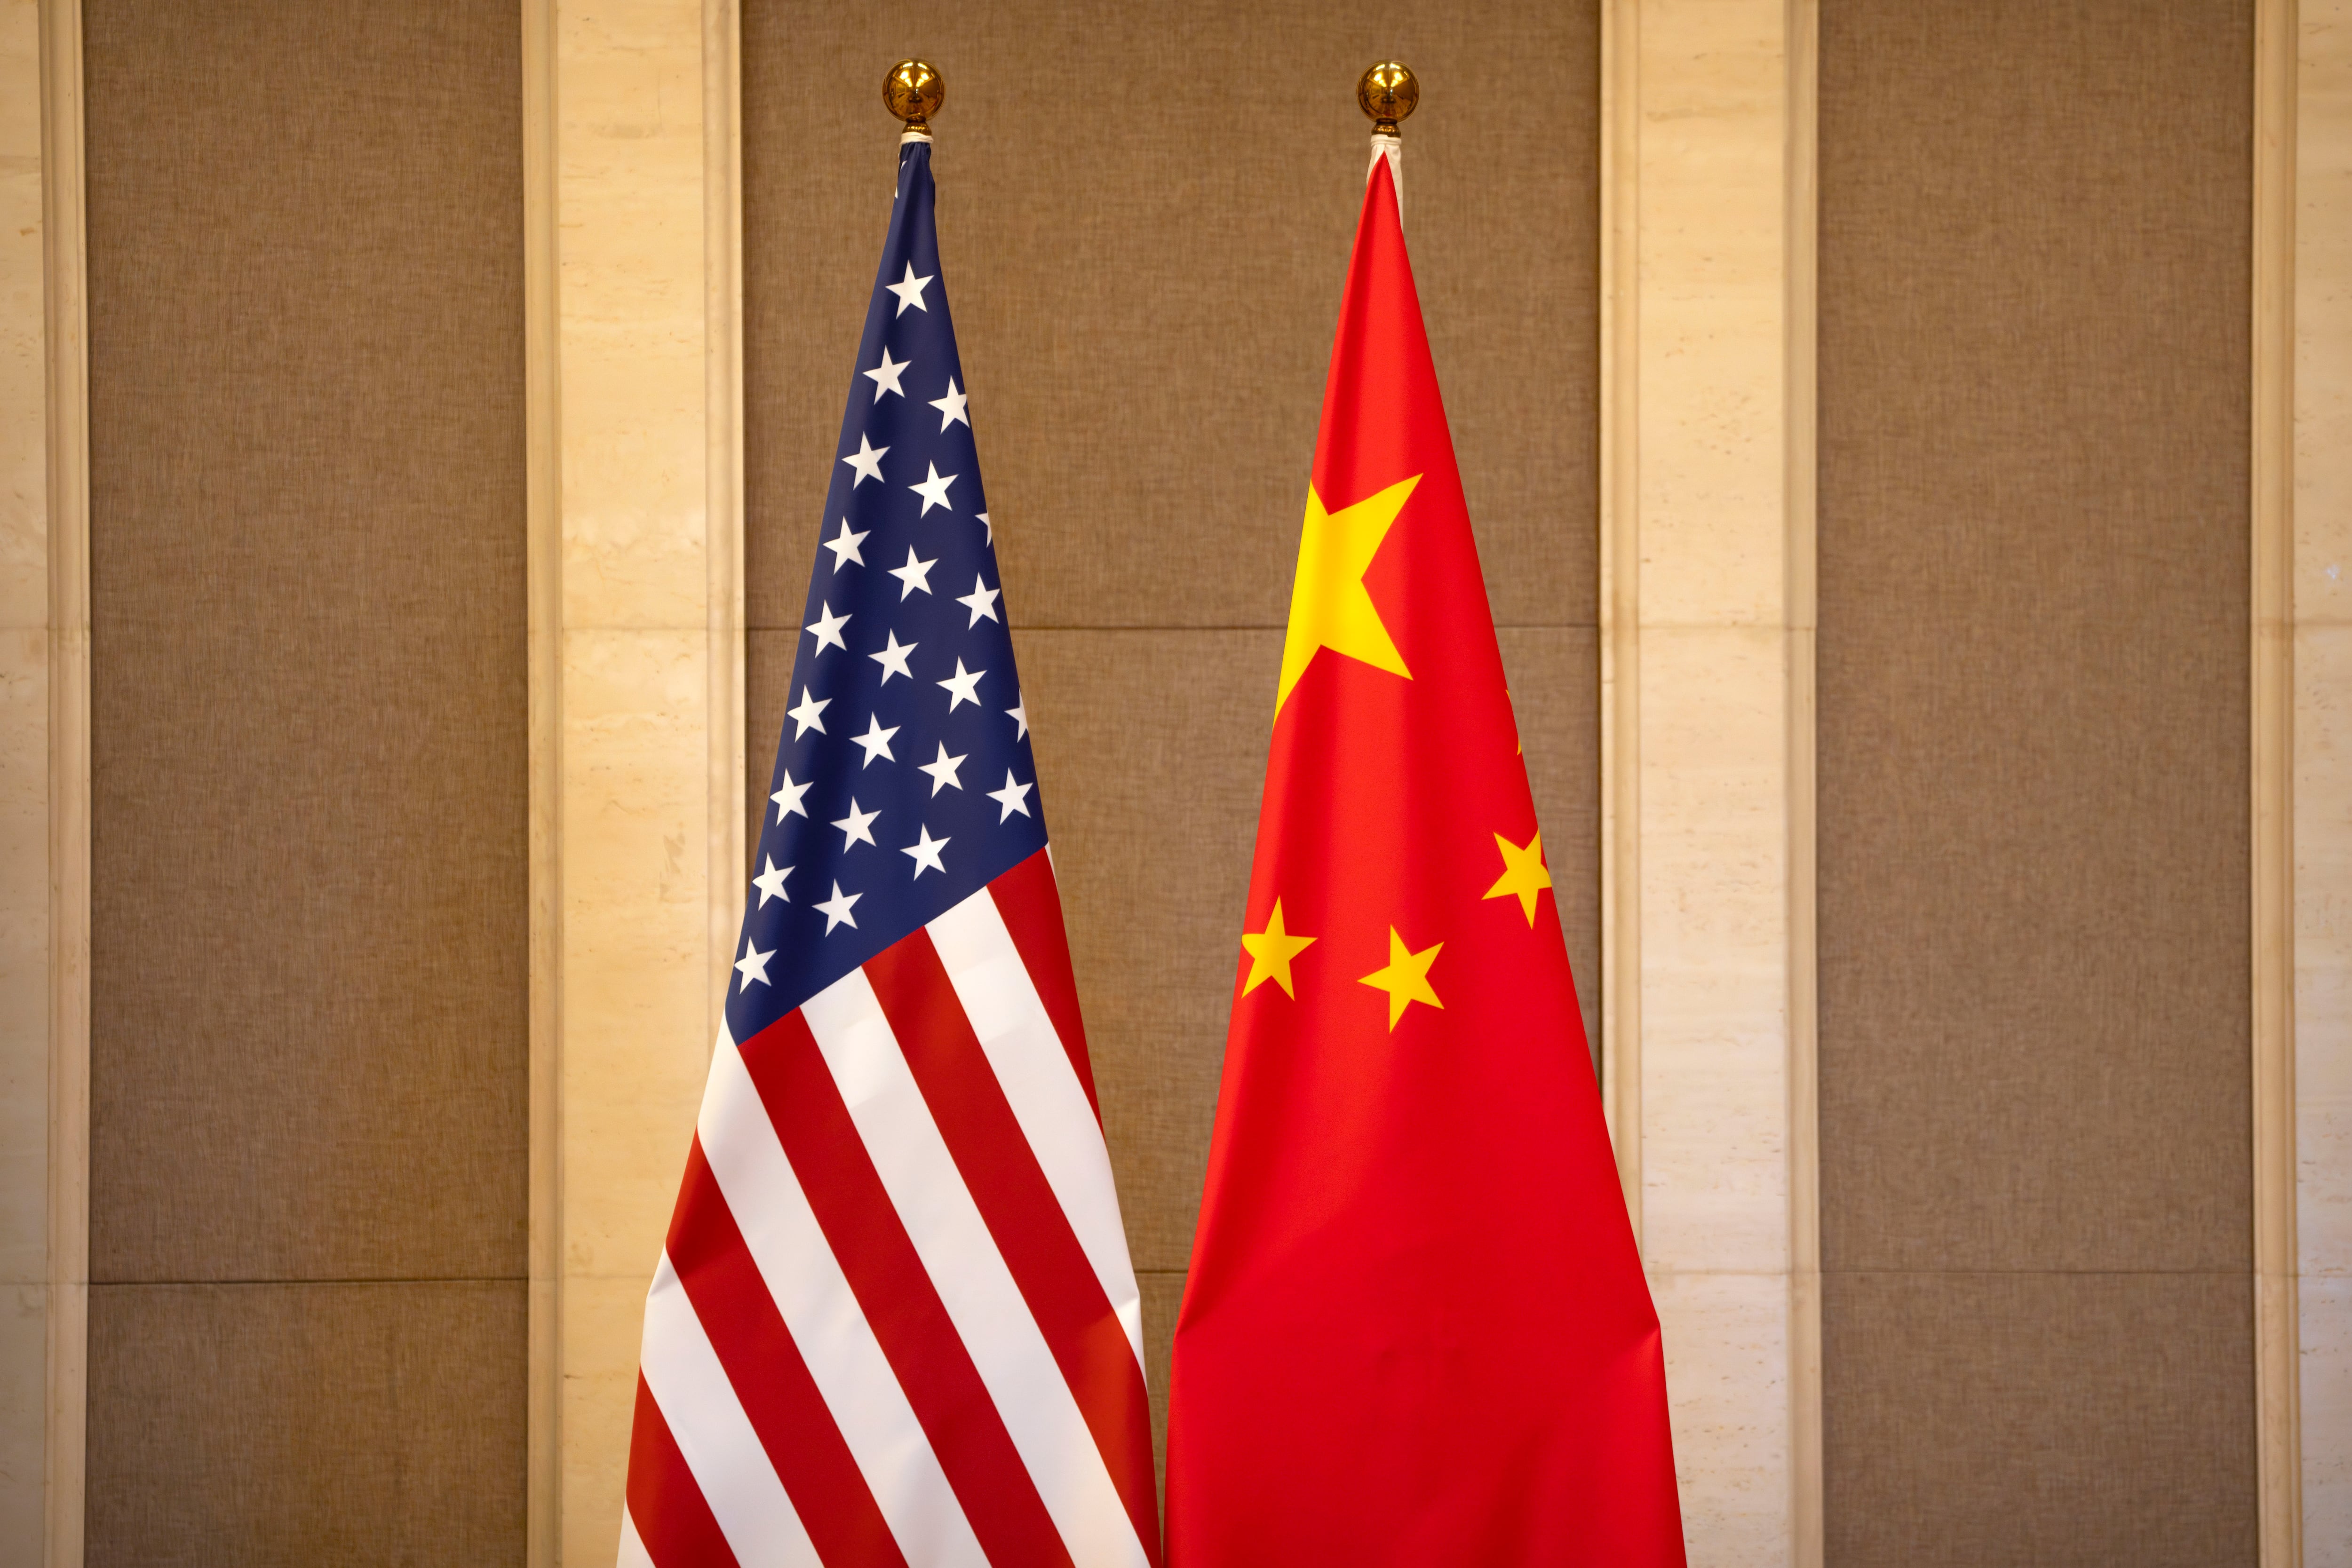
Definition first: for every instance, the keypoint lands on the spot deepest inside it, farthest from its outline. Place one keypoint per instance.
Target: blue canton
(904, 781)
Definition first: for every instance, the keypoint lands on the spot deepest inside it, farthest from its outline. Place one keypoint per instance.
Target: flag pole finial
(914, 91)
(1388, 92)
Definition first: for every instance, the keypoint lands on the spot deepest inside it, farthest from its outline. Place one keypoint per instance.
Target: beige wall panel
(307, 1423)
(24, 786)
(2013, 1401)
(2033, 744)
(1704, 627)
(2323, 771)
(309, 935)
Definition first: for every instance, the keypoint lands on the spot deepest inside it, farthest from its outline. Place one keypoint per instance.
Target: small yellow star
(1271, 951)
(1406, 979)
(1523, 873)
(1330, 607)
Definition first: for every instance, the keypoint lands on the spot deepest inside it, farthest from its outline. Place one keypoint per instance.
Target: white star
(950, 407)
(753, 966)
(926, 851)
(893, 658)
(885, 377)
(980, 600)
(788, 798)
(942, 769)
(962, 687)
(914, 575)
(828, 628)
(875, 740)
(909, 290)
(1019, 712)
(858, 825)
(805, 718)
(836, 909)
(1013, 797)
(984, 520)
(867, 461)
(845, 544)
(934, 490)
(771, 882)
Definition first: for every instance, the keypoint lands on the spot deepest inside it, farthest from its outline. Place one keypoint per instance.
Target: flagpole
(1389, 92)
(913, 91)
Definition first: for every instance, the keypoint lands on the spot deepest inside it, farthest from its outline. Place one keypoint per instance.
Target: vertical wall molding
(642, 600)
(544, 551)
(1707, 612)
(722, 249)
(67, 366)
(1620, 595)
(2311, 219)
(1802, 187)
(2273, 752)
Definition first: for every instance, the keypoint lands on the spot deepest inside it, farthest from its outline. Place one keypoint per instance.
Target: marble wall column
(2322, 728)
(25, 1311)
(637, 712)
(1705, 627)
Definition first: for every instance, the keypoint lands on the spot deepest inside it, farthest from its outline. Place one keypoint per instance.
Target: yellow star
(1406, 979)
(1330, 607)
(1271, 951)
(1523, 873)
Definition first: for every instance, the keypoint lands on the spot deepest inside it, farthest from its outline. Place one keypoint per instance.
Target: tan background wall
(308, 1213)
(1145, 226)
(2033, 542)
(1709, 92)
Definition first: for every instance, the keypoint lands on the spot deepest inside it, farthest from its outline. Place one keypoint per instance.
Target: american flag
(895, 1320)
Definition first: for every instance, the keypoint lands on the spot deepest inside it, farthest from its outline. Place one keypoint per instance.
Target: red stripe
(1031, 905)
(665, 1503)
(886, 1276)
(771, 1380)
(1064, 1294)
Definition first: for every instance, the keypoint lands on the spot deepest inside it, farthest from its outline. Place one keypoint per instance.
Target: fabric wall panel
(307, 1423)
(2040, 1395)
(1146, 225)
(2033, 926)
(1146, 220)
(309, 932)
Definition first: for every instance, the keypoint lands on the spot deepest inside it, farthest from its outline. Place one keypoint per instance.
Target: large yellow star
(1523, 873)
(1330, 607)
(1271, 951)
(1406, 979)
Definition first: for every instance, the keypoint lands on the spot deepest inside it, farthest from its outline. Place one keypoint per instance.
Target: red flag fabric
(1415, 1328)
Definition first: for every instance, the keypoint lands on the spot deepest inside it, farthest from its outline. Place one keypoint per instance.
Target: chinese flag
(1415, 1330)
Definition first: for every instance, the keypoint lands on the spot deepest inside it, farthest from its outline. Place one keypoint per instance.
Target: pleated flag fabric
(895, 1320)
(1416, 1329)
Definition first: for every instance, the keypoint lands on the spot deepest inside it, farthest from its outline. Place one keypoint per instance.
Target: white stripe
(633, 1547)
(1034, 1071)
(728, 1463)
(827, 1326)
(1005, 1344)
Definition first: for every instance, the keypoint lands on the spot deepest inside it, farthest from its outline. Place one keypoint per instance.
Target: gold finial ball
(1388, 92)
(913, 91)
